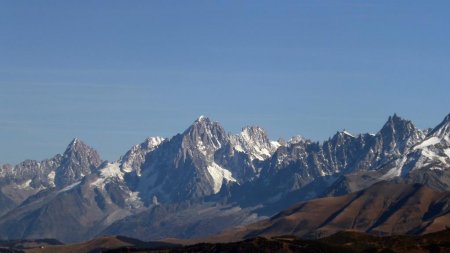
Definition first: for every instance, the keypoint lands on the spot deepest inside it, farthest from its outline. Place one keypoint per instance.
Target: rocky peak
(296, 139)
(153, 142)
(78, 161)
(254, 133)
(254, 141)
(340, 139)
(184, 167)
(202, 118)
(435, 149)
(443, 129)
(204, 135)
(399, 134)
(398, 125)
(76, 146)
(135, 157)
(344, 134)
(447, 118)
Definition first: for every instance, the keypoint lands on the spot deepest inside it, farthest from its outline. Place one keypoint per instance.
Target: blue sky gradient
(114, 72)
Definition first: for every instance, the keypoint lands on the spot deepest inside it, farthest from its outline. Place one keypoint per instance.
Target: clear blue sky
(115, 72)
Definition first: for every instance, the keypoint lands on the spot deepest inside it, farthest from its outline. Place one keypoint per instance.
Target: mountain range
(205, 180)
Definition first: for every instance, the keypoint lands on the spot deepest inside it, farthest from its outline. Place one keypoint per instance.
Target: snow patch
(433, 156)
(136, 156)
(127, 169)
(253, 141)
(133, 200)
(155, 141)
(218, 174)
(111, 170)
(239, 148)
(431, 141)
(349, 134)
(447, 152)
(24, 185)
(296, 139)
(51, 178)
(99, 183)
(246, 135)
(69, 187)
(201, 147)
(275, 144)
(396, 171)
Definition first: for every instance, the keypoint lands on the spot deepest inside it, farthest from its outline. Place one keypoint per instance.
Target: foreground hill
(100, 244)
(386, 208)
(341, 242)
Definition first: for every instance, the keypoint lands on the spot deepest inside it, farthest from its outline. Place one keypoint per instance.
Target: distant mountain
(184, 167)
(84, 197)
(425, 160)
(159, 187)
(202, 160)
(305, 169)
(17, 183)
(77, 161)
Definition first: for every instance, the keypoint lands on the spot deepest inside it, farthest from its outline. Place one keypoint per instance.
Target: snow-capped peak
(135, 157)
(74, 141)
(433, 152)
(205, 136)
(347, 133)
(443, 129)
(296, 139)
(202, 118)
(152, 142)
(254, 141)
